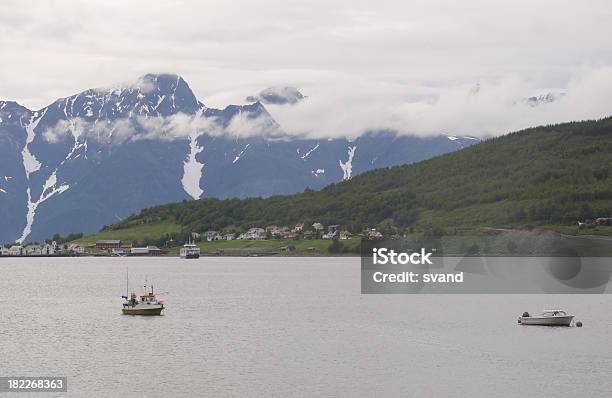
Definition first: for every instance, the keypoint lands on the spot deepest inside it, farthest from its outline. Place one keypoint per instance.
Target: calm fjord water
(287, 327)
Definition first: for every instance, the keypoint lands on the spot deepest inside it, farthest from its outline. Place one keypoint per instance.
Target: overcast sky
(408, 65)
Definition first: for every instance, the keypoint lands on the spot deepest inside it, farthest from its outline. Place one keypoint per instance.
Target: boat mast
(127, 284)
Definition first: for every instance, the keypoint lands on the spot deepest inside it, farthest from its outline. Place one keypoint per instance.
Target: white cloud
(360, 62)
(169, 128)
(349, 107)
(242, 125)
(178, 126)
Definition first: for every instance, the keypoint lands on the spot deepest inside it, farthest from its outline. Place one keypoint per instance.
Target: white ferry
(190, 250)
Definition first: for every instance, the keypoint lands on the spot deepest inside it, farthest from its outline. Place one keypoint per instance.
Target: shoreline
(201, 256)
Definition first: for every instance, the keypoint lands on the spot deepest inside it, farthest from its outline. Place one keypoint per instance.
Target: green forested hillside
(544, 176)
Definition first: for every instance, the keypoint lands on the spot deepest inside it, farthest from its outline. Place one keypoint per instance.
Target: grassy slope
(245, 246)
(152, 231)
(547, 176)
(234, 247)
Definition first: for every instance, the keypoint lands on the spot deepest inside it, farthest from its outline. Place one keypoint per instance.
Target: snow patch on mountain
(304, 156)
(237, 158)
(6, 178)
(318, 172)
(192, 169)
(347, 167)
(75, 147)
(30, 163)
(50, 189)
(455, 138)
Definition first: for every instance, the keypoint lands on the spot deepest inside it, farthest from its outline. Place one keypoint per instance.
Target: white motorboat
(547, 318)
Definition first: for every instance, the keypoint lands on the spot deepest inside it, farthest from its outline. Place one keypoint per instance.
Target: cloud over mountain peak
(280, 95)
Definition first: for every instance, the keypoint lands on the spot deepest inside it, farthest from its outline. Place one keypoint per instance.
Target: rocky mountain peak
(278, 96)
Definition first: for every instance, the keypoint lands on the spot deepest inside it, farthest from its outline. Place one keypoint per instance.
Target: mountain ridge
(99, 155)
(548, 176)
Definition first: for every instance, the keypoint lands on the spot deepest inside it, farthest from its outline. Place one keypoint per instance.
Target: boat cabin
(148, 298)
(554, 313)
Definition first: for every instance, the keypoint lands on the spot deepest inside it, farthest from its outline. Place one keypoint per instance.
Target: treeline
(551, 175)
(166, 240)
(65, 239)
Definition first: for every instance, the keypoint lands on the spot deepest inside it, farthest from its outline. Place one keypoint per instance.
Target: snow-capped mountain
(98, 156)
(542, 99)
(278, 96)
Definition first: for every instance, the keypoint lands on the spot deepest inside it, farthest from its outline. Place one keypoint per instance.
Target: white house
(298, 227)
(76, 248)
(329, 235)
(229, 236)
(318, 226)
(212, 235)
(120, 251)
(47, 249)
(256, 234)
(33, 250)
(273, 230)
(4, 251)
(139, 251)
(145, 251)
(15, 250)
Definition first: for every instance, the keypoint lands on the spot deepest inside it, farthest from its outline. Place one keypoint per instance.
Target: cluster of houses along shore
(118, 248)
(45, 249)
(115, 247)
(318, 231)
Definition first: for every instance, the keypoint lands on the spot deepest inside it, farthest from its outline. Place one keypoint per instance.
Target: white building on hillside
(33, 250)
(256, 234)
(47, 250)
(16, 250)
(211, 236)
(76, 248)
